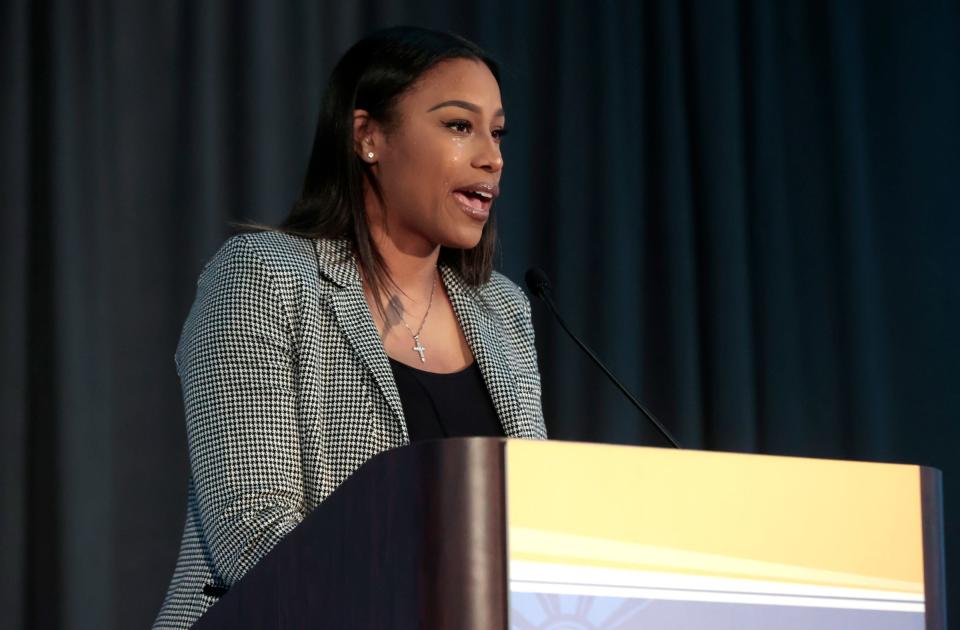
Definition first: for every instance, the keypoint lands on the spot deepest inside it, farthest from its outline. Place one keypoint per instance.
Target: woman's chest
(349, 406)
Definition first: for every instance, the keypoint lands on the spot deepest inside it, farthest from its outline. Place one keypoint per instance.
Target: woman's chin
(461, 236)
(466, 237)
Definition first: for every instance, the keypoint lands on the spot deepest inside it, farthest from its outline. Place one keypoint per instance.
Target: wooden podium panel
(414, 539)
(625, 537)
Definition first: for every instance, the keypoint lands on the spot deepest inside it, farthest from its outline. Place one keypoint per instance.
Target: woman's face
(439, 168)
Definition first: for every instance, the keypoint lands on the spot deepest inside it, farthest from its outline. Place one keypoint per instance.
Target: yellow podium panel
(757, 541)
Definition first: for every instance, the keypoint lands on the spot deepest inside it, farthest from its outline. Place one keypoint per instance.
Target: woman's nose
(489, 157)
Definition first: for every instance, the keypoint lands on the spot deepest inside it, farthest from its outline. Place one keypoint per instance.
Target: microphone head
(537, 281)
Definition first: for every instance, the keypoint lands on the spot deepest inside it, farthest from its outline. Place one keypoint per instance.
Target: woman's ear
(366, 136)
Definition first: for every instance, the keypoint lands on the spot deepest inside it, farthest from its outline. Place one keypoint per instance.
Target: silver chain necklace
(417, 346)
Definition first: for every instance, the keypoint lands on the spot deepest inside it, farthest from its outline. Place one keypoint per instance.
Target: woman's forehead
(466, 83)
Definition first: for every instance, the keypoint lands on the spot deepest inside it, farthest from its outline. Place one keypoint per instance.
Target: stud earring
(370, 155)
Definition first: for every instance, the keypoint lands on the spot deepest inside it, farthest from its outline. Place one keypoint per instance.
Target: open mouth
(474, 198)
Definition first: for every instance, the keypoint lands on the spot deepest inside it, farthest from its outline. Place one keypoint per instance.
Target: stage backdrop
(749, 210)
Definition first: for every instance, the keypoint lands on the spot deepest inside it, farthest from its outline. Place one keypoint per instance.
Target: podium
(481, 533)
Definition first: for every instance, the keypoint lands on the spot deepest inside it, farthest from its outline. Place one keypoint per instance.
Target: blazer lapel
(353, 316)
(494, 356)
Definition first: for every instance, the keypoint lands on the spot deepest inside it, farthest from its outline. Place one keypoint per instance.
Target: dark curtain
(749, 210)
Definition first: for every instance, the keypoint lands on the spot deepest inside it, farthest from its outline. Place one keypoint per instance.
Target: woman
(369, 319)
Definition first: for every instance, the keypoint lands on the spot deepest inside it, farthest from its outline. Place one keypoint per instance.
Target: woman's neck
(409, 259)
(410, 268)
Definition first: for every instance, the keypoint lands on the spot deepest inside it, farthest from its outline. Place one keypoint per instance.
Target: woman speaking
(369, 319)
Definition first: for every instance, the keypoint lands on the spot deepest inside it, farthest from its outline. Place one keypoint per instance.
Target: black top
(445, 405)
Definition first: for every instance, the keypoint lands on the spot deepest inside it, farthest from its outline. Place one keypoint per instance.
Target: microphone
(539, 285)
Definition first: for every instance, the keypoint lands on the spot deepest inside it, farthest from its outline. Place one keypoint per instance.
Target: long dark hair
(372, 75)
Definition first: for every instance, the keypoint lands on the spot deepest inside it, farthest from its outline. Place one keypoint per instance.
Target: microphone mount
(539, 285)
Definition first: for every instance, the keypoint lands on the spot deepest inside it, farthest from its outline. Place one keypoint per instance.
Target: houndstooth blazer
(287, 390)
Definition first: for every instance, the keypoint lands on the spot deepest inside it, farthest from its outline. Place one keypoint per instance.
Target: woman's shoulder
(271, 248)
(506, 295)
(277, 253)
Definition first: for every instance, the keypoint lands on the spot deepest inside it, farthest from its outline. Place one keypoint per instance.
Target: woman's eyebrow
(465, 105)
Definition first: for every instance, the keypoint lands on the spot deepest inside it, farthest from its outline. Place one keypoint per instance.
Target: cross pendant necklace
(417, 346)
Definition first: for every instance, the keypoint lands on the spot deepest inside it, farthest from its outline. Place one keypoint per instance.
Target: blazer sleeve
(517, 314)
(540, 427)
(236, 362)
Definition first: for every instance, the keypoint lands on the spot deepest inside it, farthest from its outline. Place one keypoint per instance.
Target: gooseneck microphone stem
(540, 286)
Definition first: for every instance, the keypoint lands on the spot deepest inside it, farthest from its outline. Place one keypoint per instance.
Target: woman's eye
(462, 126)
